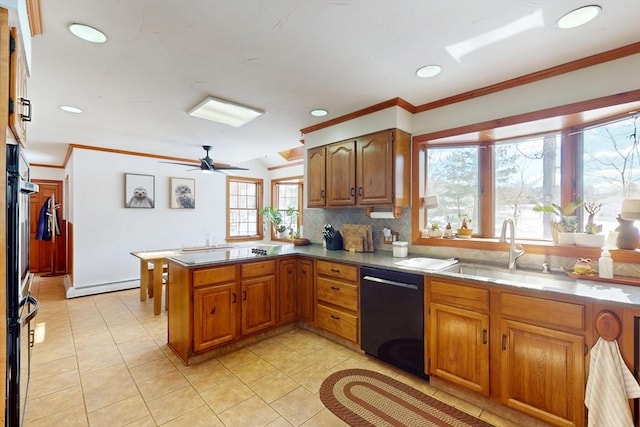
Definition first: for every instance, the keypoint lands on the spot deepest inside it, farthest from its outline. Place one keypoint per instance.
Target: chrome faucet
(515, 251)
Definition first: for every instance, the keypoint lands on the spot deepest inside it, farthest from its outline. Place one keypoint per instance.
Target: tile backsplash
(315, 219)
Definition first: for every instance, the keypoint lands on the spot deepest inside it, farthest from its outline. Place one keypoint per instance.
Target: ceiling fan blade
(207, 165)
(179, 163)
(222, 166)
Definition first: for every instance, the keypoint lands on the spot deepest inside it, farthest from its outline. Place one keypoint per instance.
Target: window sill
(532, 247)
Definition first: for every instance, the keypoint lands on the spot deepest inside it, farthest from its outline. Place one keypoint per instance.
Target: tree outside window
(452, 175)
(611, 167)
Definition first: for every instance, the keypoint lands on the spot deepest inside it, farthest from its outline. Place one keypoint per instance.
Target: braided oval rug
(366, 398)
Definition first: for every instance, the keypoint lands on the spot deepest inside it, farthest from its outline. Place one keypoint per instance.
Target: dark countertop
(481, 273)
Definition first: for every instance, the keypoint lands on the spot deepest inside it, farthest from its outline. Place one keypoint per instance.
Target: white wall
(53, 174)
(610, 78)
(105, 232)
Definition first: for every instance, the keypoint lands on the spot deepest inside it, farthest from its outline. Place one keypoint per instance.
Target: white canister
(400, 249)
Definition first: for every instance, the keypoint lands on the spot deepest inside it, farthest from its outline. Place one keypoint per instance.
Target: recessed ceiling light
(428, 71)
(70, 109)
(578, 17)
(88, 33)
(223, 111)
(319, 112)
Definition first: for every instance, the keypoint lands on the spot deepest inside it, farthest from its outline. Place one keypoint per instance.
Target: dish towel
(609, 386)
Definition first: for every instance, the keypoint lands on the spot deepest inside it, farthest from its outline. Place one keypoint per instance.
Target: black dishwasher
(392, 317)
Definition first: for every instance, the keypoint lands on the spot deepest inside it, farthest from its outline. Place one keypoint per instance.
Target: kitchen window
(491, 174)
(286, 195)
(244, 201)
(610, 154)
(453, 174)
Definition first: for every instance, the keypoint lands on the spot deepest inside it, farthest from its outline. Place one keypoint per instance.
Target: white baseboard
(74, 292)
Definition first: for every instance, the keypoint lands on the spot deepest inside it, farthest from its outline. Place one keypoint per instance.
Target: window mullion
(486, 191)
(569, 168)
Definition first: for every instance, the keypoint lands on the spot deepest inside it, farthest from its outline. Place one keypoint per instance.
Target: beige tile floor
(103, 361)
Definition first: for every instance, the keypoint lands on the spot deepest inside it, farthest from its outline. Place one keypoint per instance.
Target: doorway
(47, 256)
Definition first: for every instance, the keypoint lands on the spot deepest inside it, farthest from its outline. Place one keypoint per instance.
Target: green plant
(566, 220)
(292, 214)
(273, 216)
(435, 225)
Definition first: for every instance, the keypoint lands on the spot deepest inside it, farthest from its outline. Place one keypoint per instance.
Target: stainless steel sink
(495, 274)
(429, 264)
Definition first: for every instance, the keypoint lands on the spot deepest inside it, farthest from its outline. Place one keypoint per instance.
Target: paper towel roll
(381, 215)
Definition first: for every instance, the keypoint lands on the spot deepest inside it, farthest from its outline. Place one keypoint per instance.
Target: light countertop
(481, 273)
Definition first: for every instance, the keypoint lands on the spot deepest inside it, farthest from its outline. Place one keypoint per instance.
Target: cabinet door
(258, 303)
(19, 105)
(459, 347)
(341, 174)
(304, 291)
(316, 179)
(375, 169)
(542, 372)
(287, 289)
(214, 311)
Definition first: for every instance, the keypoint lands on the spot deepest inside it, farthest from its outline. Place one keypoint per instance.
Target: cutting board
(357, 237)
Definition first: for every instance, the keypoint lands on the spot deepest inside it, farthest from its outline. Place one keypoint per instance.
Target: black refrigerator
(22, 307)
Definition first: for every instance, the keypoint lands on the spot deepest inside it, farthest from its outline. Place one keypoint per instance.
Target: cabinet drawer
(210, 276)
(256, 269)
(544, 312)
(338, 271)
(338, 293)
(338, 322)
(459, 295)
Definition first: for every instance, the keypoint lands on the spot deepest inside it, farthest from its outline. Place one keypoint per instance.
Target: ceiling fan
(207, 165)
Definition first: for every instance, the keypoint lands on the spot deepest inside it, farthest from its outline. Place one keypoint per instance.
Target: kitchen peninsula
(215, 301)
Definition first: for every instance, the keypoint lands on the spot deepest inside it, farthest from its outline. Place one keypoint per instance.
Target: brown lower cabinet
(459, 334)
(258, 283)
(533, 348)
(338, 299)
(209, 307)
(305, 290)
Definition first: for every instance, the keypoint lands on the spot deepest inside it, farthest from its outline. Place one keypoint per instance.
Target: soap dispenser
(605, 264)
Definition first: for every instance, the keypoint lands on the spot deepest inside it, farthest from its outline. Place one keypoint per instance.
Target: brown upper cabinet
(370, 170)
(19, 105)
(316, 172)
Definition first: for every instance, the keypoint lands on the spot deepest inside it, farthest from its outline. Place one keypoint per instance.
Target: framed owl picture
(182, 193)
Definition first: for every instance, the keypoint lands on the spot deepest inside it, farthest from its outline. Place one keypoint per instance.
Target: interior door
(47, 256)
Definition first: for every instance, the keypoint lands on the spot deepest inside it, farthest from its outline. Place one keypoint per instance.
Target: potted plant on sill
(274, 216)
(592, 237)
(292, 214)
(565, 225)
(434, 229)
(465, 230)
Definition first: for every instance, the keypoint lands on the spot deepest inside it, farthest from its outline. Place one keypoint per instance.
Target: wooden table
(158, 259)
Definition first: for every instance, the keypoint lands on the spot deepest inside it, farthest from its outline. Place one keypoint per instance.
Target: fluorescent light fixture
(223, 111)
(88, 33)
(527, 22)
(578, 17)
(428, 71)
(319, 112)
(71, 109)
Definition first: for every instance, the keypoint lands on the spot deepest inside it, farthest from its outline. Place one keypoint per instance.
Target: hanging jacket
(44, 225)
